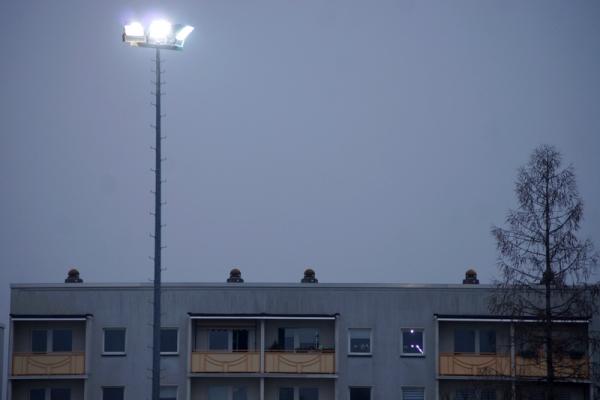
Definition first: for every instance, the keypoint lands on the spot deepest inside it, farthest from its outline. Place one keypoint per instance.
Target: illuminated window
(413, 343)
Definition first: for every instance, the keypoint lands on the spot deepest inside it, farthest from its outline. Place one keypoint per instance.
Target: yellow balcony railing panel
(48, 364)
(300, 363)
(474, 364)
(206, 361)
(563, 368)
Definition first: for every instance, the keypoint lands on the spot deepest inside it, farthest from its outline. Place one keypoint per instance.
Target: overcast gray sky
(376, 141)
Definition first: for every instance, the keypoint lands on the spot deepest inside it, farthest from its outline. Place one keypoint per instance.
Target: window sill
(169, 354)
(115, 354)
(408, 355)
(360, 354)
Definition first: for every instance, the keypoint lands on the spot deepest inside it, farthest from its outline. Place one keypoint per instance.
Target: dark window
(308, 338)
(465, 394)
(464, 341)
(240, 340)
(285, 339)
(309, 393)
(60, 394)
(360, 341)
(113, 393)
(488, 394)
(412, 341)
(37, 394)
(413, 393)
(286, 393)
(39, 342)
(218, 393)
(114, 340)
(360, 393)
(218, 339)
(62, 340)
(168, 393)
(168, 340)
(487, 341)
(239, 393)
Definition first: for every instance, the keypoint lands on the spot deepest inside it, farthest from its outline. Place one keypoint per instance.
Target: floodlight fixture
(161, 34)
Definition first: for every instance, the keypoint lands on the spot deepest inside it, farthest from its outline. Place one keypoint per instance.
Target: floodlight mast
(160, 35)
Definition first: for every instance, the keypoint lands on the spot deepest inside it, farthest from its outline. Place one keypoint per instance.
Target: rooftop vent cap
(309, 276)
(471, 278)
(235, 276)
(73, 276)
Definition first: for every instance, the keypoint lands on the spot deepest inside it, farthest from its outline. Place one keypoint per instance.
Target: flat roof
(224, 285)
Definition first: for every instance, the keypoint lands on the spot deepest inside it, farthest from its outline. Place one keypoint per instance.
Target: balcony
(474, 364)
(24, 364)
(566, 368)
(222, 362)
(300, 363)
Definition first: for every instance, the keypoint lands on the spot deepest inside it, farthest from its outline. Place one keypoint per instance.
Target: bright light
(160, 30)
(184, 33)
(134, 29)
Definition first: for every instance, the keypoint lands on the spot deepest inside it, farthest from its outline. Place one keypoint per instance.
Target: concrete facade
(384, 309)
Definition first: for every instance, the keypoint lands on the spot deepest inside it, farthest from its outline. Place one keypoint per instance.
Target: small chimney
(471, 278)
(235, 276)
(309, 276)
(73, 276)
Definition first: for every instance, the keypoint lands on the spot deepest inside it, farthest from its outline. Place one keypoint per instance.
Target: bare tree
(545, 268)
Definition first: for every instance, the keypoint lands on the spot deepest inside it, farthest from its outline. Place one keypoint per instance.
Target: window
(464, 394)
(228, 339)
(168, 393)
(218, 339)
(218, 393)
(359, 341)
(413, 393)
(240, 339)
(308, 393)
(39, 342)
(113, 393)
(60, 394)
(360, 393)
(168, 341)
(412, 342)
(487, 341)
(464, 341)
(62, 340)
(37, 394)
(239, 393)
(286, 393)
(291, 339)
(114, 340)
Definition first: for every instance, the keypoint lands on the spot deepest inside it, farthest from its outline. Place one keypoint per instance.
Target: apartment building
(278, 341)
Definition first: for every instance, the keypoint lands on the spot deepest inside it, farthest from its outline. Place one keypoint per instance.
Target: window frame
(170, 353)
(170, 386)
(47, 341)
(113, 387)
(360, 354)
(43, 390)
(114, 353)
(413, 387)
(360, 387)
(54, 330)
(403, 354)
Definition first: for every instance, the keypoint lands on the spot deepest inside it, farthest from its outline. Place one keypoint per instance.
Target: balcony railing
(300, 363)
(565, 368)
(48, 364)
(206, 361)
(474, 364)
